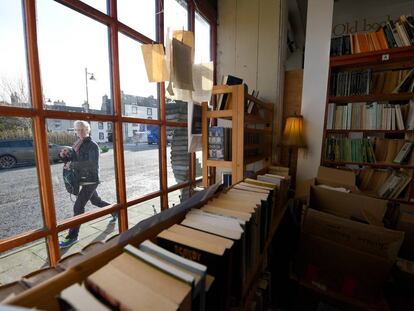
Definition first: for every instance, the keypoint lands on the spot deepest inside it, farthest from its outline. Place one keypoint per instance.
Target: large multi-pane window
(77, 60)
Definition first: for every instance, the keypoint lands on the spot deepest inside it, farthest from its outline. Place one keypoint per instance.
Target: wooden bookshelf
(383, 61)
(241, 123)
(377, 164)
(370, 98)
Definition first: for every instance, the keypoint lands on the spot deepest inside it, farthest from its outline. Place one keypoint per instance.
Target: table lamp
(293, 135)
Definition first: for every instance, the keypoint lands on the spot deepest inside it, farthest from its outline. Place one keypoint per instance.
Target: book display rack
(247, 141)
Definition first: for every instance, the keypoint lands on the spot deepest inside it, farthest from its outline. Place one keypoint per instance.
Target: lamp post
(92, 77)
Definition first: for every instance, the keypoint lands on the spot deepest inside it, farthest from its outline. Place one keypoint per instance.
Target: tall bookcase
(346, 73)
(258, 122)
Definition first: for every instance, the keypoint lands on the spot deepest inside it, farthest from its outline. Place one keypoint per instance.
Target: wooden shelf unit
(396, 58)
(235, 111)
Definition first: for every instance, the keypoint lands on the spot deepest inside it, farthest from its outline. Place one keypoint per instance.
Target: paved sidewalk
(22, 261)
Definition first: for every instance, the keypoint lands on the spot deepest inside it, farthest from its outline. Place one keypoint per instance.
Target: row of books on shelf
(253, 138)
(349, 150)
(393, 34)
(219, 143)
(215, 248)
(370, 116)
(366, 82)
(386, 183)
(369, 150)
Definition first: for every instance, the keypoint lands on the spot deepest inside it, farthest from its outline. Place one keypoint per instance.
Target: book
(228, 80)
(403, 153)
(80, 298)
(198, 271)
(207, 249)
(219, 143)
(128, 282)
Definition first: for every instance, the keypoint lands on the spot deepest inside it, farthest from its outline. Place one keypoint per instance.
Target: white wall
(352, 16)
(315, 77)
(248, 44)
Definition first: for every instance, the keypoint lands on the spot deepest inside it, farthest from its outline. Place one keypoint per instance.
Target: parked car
(21, 151)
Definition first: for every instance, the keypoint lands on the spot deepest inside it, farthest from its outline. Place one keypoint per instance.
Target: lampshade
(293, 133)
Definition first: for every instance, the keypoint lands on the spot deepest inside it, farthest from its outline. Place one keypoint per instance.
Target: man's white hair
(82, 124)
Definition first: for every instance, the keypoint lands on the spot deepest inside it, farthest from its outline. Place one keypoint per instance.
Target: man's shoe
(114, 218)
(67, 242)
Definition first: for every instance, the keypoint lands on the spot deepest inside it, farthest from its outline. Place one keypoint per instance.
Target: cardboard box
(406, 224)
(374, 240)
(335, 267)
(344, 256)
(327, 176)
(348, 205)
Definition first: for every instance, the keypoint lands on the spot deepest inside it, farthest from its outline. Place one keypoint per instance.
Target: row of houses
(101, 132)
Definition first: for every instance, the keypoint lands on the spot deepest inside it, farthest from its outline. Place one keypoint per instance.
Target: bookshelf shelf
(370, 98)
(377, 73)
(374, 57)
(377, 164)
(219, 163)
(219, 114)
(251, 119)
(253, 159)
(235, 112)
(266, 131)
(370, 131)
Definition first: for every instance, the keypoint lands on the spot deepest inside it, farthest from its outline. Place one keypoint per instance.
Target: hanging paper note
(203, 82)
(155, 64)
(186, 37)
(182, 66)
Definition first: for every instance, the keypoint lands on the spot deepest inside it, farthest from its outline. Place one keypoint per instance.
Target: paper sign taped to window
(155, 64)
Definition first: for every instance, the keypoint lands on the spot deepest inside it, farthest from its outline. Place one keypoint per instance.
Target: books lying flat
(241, 216)
(173, 261)
(81, 299)
(128, 282)
(219, 225)
(207, 249)
(268, 185)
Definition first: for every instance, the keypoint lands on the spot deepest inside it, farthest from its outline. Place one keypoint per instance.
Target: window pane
(202, 40)
(137, 94)
(178, 196)
(20, 261)
(74, 62)
(97, 4)
(199, 163)
(178, 158)
(19, 191)
(141, 156)
(63, 137)
(100, 229)
(139, 15)
(139, 212)
(175, 16)
(13, 71)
